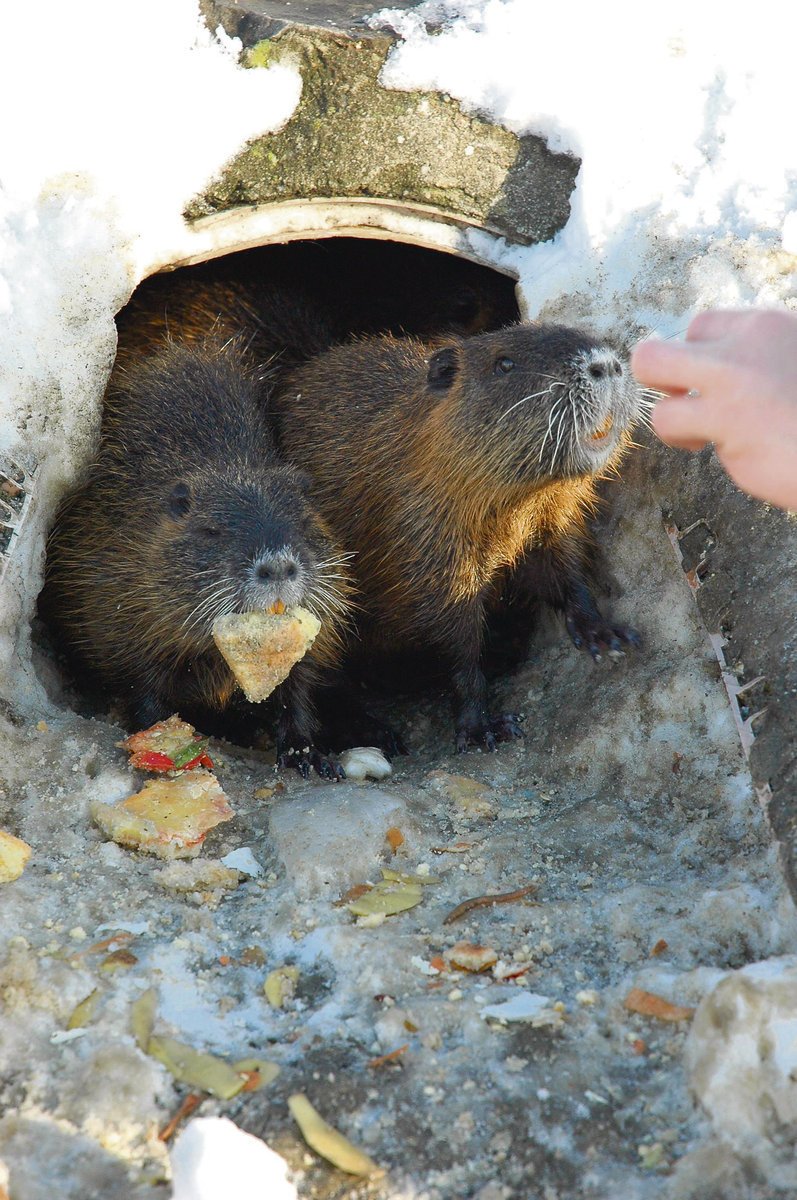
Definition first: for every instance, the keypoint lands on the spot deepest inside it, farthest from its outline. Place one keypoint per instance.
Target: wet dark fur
(186, 492)
(432, 463)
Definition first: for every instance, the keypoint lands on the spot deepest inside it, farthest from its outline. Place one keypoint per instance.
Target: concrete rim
(293, 220)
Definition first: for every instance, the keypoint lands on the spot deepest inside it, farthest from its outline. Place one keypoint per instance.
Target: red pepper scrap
(153, 760)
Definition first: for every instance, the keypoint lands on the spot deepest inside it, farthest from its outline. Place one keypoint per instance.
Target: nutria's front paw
(592, 632)
(311, 759)
(503, 728)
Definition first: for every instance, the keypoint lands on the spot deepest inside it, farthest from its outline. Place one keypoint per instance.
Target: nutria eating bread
(189, 513)
(444, 465)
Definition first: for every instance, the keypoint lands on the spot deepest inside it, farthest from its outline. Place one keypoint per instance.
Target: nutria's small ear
(442, 369)
(180, 500)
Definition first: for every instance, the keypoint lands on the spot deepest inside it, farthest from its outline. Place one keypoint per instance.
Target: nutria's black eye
(210, 531)
(180, 500)
(504, 365)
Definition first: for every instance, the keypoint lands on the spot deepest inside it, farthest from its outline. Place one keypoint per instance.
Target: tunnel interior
(371, 285)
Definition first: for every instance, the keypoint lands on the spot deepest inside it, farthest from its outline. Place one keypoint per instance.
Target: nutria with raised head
(443, 466)
(189, 513)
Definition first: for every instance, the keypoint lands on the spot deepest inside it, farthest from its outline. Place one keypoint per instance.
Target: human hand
(733, 382)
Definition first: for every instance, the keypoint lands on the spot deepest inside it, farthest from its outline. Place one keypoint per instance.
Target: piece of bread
(168, 817)
(261, 647)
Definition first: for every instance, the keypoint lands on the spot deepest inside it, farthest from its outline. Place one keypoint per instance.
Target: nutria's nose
(605, 367)
(276, 568)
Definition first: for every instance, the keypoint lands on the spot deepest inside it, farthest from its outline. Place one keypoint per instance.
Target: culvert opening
(313, 293)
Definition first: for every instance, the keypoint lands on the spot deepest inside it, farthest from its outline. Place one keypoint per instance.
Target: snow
(742, 1057)
(682, 117)
(214, 1158)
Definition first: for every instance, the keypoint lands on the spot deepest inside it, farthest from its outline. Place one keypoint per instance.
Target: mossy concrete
(352, 138)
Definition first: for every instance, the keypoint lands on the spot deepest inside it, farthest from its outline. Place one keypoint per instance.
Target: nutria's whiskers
(560, 428)
(549, 430)
(533, 396)
(209, 608)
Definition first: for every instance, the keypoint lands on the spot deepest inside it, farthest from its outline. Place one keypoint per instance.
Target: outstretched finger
(674, 366)
(684, 422)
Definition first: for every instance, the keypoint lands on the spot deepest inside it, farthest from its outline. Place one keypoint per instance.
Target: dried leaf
(387, 899)
(83, 1013)
(196, 1068)
(189, 1105)
(402, 877)
(119, 958)
(353, 893)
(487, 901)
(142, 1017)
(327, 1142)
(280, 985)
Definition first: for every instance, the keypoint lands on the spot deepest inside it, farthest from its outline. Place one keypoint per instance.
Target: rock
(332, 836)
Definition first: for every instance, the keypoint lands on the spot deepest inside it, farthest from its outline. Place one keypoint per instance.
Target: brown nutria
(443, 466)
(290, 301)
(189, 513)
(276, 324)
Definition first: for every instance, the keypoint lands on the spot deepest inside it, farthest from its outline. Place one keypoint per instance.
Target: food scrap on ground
(260, 648)
(328, 1142)
(14, 854)
(395, 838)
(466, 956)
(650, 1005)
(170, 745)
(474, 798)
(168, 817)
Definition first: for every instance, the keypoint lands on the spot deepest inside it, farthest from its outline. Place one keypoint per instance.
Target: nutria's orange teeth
(277, 607)
(603, 429)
